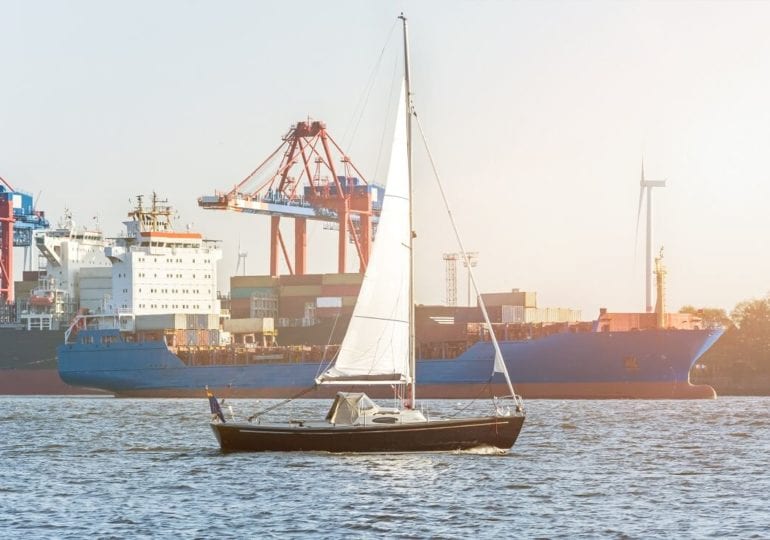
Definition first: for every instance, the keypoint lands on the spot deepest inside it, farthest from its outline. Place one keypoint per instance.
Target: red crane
(18, 221)
(315, 180)
(6, 244)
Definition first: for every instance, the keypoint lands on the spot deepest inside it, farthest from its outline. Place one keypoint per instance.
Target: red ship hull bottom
(26, 382)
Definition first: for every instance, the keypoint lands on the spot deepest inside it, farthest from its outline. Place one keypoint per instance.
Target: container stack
(295, 301)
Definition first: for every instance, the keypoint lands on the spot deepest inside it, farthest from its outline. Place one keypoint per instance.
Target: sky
(538, 114)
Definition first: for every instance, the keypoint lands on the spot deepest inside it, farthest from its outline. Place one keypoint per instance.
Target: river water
(76, 467)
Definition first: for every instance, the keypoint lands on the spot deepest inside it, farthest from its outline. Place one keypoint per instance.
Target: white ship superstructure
(77, 275)
(156, 270)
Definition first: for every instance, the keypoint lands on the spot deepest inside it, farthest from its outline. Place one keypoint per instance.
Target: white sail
(375, 349)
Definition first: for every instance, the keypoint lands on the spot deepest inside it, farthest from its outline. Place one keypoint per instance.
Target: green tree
(710, 316)
(752, 317)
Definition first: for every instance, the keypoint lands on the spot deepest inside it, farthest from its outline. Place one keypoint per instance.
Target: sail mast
(408, 97)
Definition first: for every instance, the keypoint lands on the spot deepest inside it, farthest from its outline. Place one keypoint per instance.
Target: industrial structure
(471, 259)
(18, 220)
(314, 180)
(451, 278)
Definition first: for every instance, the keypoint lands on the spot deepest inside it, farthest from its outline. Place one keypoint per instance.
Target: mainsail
(375, 349)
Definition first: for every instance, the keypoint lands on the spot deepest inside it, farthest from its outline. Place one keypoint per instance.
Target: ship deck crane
(18, 220)
(314, 180)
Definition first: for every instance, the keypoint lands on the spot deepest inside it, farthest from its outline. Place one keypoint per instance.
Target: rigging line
(381, 319)
(364, 99)
(321, 365)
(485, 388)
(284, 402)
(498, 352)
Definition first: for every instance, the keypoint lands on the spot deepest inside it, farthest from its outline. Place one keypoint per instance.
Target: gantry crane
(18, 220)
(314, 180)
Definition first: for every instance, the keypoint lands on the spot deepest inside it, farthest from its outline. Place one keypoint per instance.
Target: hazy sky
(538, 114)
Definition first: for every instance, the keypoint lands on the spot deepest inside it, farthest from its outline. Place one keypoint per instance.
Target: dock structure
(313, 180)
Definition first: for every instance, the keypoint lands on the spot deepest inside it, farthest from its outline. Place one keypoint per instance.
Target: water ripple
(110, 468)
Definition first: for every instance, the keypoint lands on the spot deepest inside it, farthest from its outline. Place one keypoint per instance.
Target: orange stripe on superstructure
(158, 234)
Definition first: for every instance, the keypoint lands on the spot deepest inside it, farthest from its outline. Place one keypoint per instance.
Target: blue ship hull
(642, 364)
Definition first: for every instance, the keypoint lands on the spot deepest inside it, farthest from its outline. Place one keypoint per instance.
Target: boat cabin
(357, 409)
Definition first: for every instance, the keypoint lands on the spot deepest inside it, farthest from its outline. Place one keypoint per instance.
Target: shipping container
(513, 298)
(162, 321)
(176, 321)
(300, 280)
(225, 338)
(240, 303)
(328, 302)
(350, 278)
(250, 326)
(333, 313)
(349, 301)
(248, 292)
(465, 314)
(293, 307)
(340, 290)
(240, 313)
(300, 290)
(264, 307)
(240, 282)
(328, 312)
(202, 321)
(31, 275)
(513, 314)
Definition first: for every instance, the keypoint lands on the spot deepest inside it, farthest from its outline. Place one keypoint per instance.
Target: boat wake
(483, 450)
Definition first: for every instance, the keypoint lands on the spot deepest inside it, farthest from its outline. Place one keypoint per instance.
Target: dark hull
(434, 436)
(29, 349)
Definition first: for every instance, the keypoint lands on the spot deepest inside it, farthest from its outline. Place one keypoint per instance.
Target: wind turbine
(241, 259)
(648, 185)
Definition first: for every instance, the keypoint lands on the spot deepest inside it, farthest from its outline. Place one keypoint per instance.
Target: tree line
(744, 349)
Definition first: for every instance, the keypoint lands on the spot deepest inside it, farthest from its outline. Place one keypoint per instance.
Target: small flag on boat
(214, 404)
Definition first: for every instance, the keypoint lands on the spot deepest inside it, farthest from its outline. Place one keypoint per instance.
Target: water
(116, 468)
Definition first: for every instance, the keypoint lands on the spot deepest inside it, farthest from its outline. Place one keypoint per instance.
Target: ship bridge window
(87, 340)
(106, 340)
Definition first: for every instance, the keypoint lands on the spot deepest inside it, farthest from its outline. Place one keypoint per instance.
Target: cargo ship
(275, 332)
(167, 336)
(652, 364)
(74, 273)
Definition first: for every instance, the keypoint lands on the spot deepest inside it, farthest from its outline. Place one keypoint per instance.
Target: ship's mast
(660, 280)
(409, 111)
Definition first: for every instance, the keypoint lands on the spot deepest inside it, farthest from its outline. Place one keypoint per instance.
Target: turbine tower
(648, 185)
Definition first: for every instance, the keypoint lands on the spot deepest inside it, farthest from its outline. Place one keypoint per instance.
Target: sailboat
(378, 349)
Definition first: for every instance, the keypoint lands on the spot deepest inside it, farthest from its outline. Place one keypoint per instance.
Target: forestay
(375, 349)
